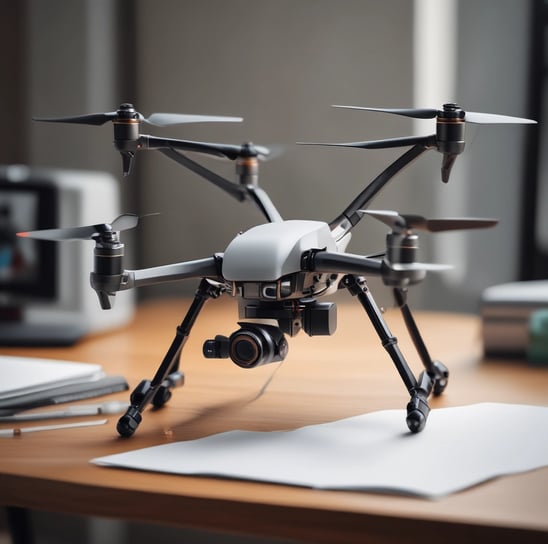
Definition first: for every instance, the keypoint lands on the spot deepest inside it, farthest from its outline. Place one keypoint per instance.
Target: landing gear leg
(158, 390)
(437, 371)
(419, 389)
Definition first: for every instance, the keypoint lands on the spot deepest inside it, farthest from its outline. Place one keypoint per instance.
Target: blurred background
(281, 65)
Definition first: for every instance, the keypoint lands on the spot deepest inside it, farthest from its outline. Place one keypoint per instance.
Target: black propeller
(430, 113)
(90, 232)
(127, 113)
(128, 139)
(108, 252)
(402, 244)
(449, 137)
(400, 223)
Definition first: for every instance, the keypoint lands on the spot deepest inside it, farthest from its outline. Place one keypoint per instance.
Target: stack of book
(27, 383)
(508, 312)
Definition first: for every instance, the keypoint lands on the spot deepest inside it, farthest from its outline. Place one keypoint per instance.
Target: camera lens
(246, 349)
(255, 345)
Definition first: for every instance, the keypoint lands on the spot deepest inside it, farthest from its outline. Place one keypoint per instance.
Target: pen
(109, 407)
(7, 433)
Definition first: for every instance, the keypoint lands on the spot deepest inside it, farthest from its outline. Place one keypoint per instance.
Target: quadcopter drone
(279, 269)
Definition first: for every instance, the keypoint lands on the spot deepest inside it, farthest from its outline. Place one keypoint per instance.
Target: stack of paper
(31, 382)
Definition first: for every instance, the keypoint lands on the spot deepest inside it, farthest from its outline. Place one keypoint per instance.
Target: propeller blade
(89, 119)
(408, 221)
(167, 119)
(391, 218)
(446, 224)
(431, 113)
(70, 233)
(415, 113)
(123, 222)
(493, 119)
(265, 152)
(127, 112)
(378, 144)
(249, 149)
(272, 151)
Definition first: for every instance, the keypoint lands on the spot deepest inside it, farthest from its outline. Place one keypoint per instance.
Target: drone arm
(238, 192)
(171, 148)
(107, 285)
(351, 215)
(263, 202)
(202, 268)
(395, 275)
(340, 263)
(153, 142)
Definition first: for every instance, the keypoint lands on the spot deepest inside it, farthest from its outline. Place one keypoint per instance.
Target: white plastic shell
(268, 252)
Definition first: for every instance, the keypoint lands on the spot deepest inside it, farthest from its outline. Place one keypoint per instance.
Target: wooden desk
(322, 379)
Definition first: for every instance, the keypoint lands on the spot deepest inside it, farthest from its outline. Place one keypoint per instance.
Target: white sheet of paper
(460, 447)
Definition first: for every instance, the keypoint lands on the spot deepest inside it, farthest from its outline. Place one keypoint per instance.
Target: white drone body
(265, 262)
